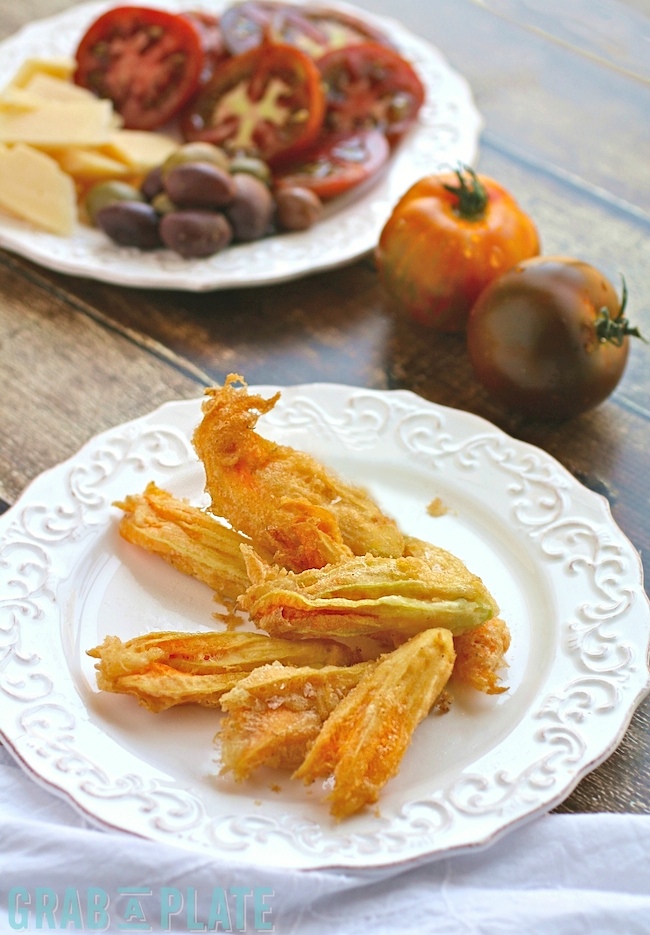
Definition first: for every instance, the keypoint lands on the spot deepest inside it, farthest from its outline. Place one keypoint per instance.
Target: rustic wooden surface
(565, 128)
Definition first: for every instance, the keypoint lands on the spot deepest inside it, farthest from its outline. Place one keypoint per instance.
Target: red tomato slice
(147, 62)
(267, 102)
(336, 163)
(214, 48)
(370, 85)
(314, 30)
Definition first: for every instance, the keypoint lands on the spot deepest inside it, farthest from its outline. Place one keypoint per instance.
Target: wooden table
(565, 104)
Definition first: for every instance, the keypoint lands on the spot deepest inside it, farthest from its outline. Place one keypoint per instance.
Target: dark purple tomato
(549, 338)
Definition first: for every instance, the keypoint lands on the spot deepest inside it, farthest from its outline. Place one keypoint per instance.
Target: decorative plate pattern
(568, 581)
(446, 134)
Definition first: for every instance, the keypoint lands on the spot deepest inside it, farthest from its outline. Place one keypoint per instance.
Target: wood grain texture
(65, 377)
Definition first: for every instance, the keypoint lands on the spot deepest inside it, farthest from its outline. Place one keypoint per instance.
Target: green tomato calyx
(471, 194)
(616, 329)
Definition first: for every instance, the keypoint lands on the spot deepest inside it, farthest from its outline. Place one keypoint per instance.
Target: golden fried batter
(277, 711)
(190, 539)
(366, 596)
(364, 625)
(171, 668)
(291, 506)
(363, 741)
(480, 654)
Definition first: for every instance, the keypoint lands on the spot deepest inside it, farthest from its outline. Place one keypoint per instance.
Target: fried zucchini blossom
(367, 596)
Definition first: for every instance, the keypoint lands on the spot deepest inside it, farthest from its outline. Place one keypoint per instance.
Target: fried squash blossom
(353, 631)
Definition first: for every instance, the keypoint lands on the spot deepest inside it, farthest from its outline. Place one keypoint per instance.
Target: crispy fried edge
(364, 739)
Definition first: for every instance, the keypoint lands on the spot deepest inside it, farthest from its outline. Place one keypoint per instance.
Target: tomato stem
(471, 193)
(615, 330)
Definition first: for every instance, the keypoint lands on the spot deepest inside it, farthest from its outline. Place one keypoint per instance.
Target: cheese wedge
(141, 150)
(57, 123)
(34, 188)
(53, 88)
(62, 68)
(90, 165)
(17, 99)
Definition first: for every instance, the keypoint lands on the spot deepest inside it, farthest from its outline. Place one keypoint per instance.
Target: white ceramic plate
(568, 582)
(446, 133)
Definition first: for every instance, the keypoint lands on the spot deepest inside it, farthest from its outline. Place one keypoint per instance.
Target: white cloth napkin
(559, 874)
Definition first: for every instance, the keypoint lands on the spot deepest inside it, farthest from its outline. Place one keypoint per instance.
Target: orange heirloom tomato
(448, 237)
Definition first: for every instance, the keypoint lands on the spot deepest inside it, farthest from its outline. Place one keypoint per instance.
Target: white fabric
(559, 874)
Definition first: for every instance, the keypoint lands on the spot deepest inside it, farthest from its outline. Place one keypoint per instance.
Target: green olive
(253, 166)
(198, 151)
(163, 204)
(108, 193)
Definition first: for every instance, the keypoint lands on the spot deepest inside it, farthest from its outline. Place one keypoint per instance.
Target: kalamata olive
(130, 224)
(251, 211)
(199, 185)
(297, 208)
(195, 233)
(108, 193)
(198, 151)
(253, 166)
(151, 184)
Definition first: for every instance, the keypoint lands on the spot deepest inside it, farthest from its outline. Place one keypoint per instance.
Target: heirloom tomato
(214, 48)
(336, 162)
(266, 102)
(370, 85)
(446, 239)
(549, 338)
(315, 30)
(148, 62)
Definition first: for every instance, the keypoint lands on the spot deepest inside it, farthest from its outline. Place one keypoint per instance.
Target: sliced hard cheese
(89, 165)
(62, 68)
(19, 99)
(140, 149)
(33, 187)
(57, 89)
(58, 123)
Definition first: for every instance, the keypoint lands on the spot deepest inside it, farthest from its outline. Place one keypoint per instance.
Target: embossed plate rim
(82, 763)
(446, 133)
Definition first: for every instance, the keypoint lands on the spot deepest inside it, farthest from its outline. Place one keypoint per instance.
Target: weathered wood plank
(65, 378)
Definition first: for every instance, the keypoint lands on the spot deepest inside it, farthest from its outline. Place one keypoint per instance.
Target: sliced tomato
(267, 102)
(314, 30)
(370, 85)
(336, 163)
(214, 48)
(147, 62)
